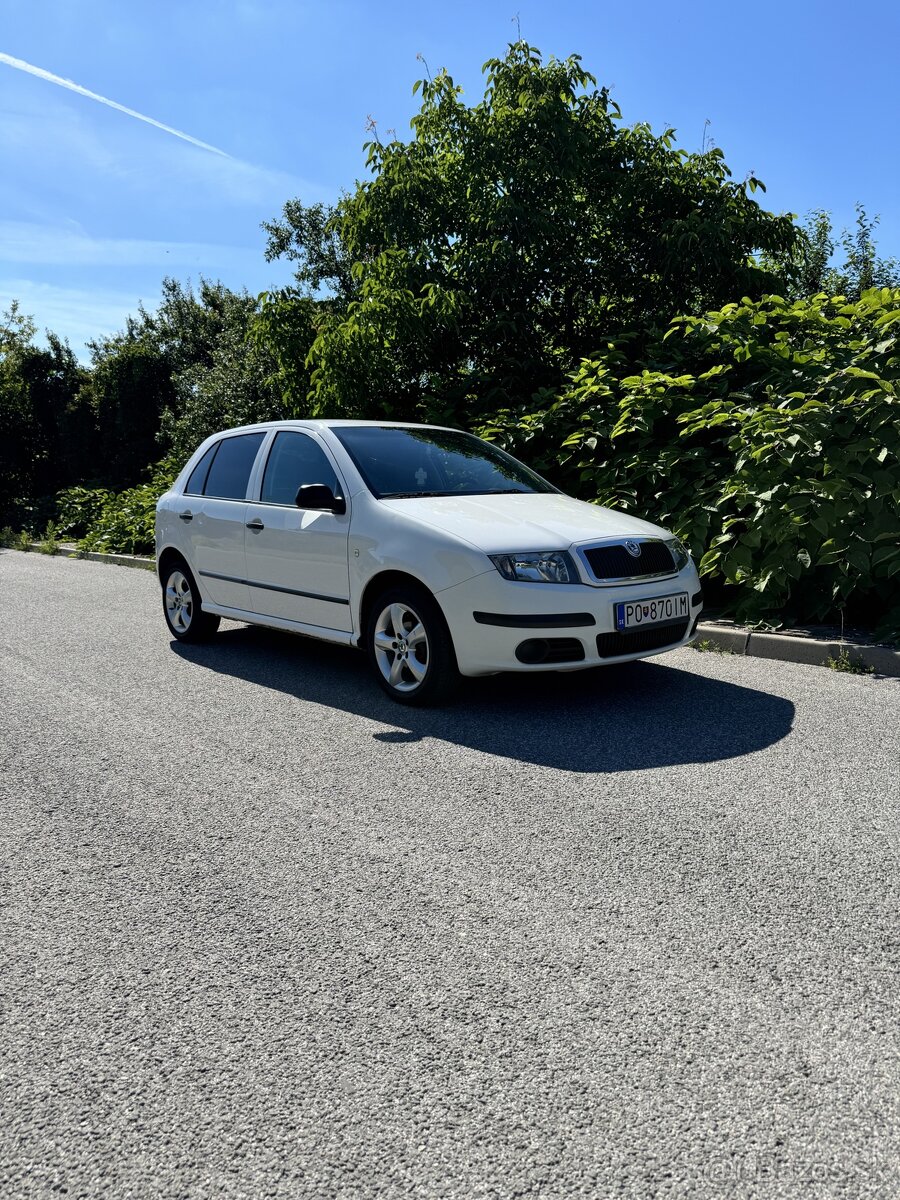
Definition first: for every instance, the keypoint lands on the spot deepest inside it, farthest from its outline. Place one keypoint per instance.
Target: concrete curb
(118, 560)
(784, 647)
(813, 651)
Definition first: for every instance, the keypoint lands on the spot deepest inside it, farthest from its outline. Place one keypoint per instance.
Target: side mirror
(320, 496)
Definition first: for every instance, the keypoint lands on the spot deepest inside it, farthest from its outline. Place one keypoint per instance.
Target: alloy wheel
(401, 647)
(179, 602)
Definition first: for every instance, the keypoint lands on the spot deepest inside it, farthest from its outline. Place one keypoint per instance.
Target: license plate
(633, 614)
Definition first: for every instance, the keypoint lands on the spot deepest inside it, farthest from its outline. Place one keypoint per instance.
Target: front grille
(614, 562)
(638, 641)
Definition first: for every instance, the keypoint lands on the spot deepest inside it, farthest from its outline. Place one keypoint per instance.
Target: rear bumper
(498, 625)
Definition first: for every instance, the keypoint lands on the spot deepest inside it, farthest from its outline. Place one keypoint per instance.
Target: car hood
(531, 521)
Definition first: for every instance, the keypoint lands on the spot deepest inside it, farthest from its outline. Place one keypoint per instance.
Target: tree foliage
(179, 373)
(504, 240)
(809, 266)
(157, 388)
(45, 430)
(309, 237)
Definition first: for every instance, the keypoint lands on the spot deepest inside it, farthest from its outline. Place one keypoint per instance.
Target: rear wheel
(181, 605)
(410, 647)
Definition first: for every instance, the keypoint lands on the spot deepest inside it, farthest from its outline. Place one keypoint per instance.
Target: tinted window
(198, 476)
(295, 460)
(434, 462)
(230, 472)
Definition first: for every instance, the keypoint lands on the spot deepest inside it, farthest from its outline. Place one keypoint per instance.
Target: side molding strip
(271, 587)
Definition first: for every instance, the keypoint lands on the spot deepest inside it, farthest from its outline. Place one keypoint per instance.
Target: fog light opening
(533, 651)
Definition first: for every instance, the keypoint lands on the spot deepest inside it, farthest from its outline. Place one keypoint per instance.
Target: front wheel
(410, 647)
(181, 604)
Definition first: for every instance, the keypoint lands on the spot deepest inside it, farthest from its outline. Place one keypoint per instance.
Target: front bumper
(498, 625)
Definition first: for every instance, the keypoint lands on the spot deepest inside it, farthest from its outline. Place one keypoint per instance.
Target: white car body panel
(498, 524)
(312, 560)
(301, 557)
(215, 534)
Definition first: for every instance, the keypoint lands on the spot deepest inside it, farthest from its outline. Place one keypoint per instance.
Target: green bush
(124, 522)
(49, 543)
(77, 508)
(10, 540)
(767, 435)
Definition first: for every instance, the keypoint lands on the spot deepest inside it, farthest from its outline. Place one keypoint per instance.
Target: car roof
(334, 423)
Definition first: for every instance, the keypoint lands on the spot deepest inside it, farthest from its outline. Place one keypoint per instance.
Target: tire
(181, 606)
(420, 670)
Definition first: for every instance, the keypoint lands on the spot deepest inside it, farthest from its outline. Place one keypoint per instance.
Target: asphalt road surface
(632, 932)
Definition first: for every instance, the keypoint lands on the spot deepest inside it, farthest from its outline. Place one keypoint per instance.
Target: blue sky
(96, 205)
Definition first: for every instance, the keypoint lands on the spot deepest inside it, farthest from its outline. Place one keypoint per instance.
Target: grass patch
(845, 664)
(708, 646)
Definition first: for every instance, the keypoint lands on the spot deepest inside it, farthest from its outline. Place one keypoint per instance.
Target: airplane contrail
(19, 64)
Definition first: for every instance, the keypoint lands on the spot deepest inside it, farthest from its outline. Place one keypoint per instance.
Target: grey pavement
(625, 933)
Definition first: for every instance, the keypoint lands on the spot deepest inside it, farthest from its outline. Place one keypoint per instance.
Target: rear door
(214, 508)
(297, 564)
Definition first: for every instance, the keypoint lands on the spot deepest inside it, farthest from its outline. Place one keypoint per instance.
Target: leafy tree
(501, 243)
(289, 318)
(235, 387)
(805, 269)
(176, 374)
(129, 387)
(308, 236)
(862, 268)
(45, 430)
(16, 339)
(17, 329)
(808, 268)
(219, 377)
(282, 332)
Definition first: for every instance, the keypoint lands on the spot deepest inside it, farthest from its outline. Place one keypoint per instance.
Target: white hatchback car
(437, 552)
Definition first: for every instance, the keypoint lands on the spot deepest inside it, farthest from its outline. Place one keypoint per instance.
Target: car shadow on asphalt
(620, 718)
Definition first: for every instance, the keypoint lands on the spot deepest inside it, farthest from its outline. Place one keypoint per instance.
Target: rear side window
(295, 460)
(230, 471)
(197, 480)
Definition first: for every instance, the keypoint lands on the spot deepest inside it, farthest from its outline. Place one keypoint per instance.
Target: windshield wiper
(488, 492)
(412, 495)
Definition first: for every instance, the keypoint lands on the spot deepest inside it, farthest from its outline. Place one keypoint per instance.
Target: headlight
(541, 566)
(680, 553)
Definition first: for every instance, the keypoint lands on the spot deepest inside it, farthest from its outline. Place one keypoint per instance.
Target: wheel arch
(168, 557)
(380, 583)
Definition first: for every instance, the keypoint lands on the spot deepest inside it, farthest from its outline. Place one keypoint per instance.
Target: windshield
(397, 463)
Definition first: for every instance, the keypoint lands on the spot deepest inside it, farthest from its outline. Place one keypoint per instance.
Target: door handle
(256, 525)
(187, 515)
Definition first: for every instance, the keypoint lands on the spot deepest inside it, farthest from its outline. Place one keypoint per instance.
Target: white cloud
(54, 245)
(76, 314)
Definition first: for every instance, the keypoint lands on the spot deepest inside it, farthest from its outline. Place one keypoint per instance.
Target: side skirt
(321, 632)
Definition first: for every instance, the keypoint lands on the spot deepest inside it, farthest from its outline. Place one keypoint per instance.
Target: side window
(197, 481)
(230, 471)
(294, 460)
